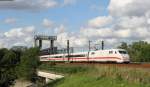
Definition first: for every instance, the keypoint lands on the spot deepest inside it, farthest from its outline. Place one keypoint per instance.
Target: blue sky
(79, 21)
(74, 16)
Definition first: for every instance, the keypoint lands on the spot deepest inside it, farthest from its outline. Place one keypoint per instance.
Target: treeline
(138, 51)
(18, 63)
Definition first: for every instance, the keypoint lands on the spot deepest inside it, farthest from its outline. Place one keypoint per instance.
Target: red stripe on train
(84, 58)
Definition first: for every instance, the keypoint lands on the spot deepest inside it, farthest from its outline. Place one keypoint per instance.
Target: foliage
(18, 50)
(7, 67)
(28, 64)
(17, 63)
(138, 51)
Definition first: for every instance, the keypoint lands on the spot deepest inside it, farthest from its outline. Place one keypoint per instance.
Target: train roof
(109, 50)
(115, 49)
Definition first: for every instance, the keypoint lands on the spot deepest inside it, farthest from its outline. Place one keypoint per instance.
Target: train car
(110, 55)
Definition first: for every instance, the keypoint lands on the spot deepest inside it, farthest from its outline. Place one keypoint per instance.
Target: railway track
(129, 65)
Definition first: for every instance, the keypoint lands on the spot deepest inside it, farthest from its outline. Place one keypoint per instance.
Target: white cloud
(1, 45)
(48, 23)
(48, 3)
(88, 32)
(111, 42)
(123, 33)
(81, 41)
(131, 22)
(128, 20)
(124, 23)
(62, 39)
(28, 5)
(10, 20)
(94, 32)
(60, 29)
(142, 33)
(18, 36)
(129, 7)
(19, 32)
(14, 33)
(100, 21)
(75, 40)
(34, 5)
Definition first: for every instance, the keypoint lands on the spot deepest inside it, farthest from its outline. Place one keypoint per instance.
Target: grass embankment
(96, 76)
(63, 69)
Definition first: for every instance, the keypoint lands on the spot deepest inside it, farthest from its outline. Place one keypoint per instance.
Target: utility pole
(68, 49)
(52, 46)
(102, 45)
(35, 43)
(90, 45)
(89, 49)
(40, 44)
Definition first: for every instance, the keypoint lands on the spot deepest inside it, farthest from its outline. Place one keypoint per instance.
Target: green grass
(104, 76)
(64, 69)
(87, 81)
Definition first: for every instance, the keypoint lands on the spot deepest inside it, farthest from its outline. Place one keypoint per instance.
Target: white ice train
(111, 55)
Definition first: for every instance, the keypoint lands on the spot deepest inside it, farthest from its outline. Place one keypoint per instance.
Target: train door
(91, 56)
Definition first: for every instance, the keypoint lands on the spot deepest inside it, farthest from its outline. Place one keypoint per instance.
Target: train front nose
(126, 58)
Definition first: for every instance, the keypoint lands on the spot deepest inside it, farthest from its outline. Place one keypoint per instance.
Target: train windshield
(123, 52)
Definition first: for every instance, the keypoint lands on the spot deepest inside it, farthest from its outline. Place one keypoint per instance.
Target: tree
(18, 63)
(138, 51)
(123, 45)
(18, 50)
(7, 67)
(28, 64)
(145, 55)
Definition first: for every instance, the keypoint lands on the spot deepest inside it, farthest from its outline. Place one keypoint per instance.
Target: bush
(28, 64)
(7, 67)
(138, 51)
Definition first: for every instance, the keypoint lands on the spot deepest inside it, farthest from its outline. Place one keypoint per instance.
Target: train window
(79, 55)
(110, 52)
(123, 52)
(43, 57)
(58, 57)
(92, 53)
